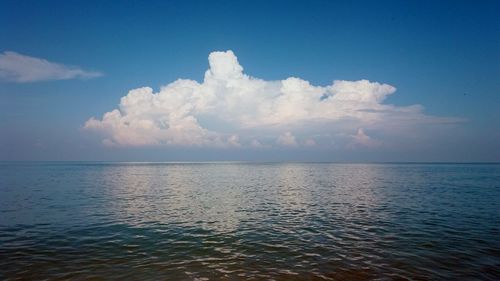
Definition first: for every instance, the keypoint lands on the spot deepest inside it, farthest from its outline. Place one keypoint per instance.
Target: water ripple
(249, 221)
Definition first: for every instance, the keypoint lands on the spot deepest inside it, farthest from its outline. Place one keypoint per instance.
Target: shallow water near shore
(249, 221)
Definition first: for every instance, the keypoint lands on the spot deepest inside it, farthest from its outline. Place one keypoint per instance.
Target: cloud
(362, 139)
(287, 139)
(19, 68)
(309, 142)
(232, 109)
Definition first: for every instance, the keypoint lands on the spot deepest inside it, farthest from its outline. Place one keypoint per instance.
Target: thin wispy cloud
(20, 68)
(232, 109)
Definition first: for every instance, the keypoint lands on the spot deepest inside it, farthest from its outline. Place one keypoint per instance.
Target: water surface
(249, 221)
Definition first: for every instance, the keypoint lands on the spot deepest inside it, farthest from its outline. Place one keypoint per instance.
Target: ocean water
(249, 221)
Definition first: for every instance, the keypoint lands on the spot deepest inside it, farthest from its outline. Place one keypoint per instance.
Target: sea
(249, 221)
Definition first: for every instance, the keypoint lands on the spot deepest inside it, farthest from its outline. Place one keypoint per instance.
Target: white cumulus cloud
(20, 68)
(232, 109)
(362, 139)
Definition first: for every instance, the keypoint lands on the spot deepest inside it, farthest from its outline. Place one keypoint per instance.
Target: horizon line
(248, 162)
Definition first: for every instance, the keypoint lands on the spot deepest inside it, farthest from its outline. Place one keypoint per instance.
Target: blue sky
(442, 55)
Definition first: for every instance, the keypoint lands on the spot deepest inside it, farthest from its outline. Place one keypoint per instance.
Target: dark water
(236, 221)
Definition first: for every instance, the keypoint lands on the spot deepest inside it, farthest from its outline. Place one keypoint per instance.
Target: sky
(351, 81)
